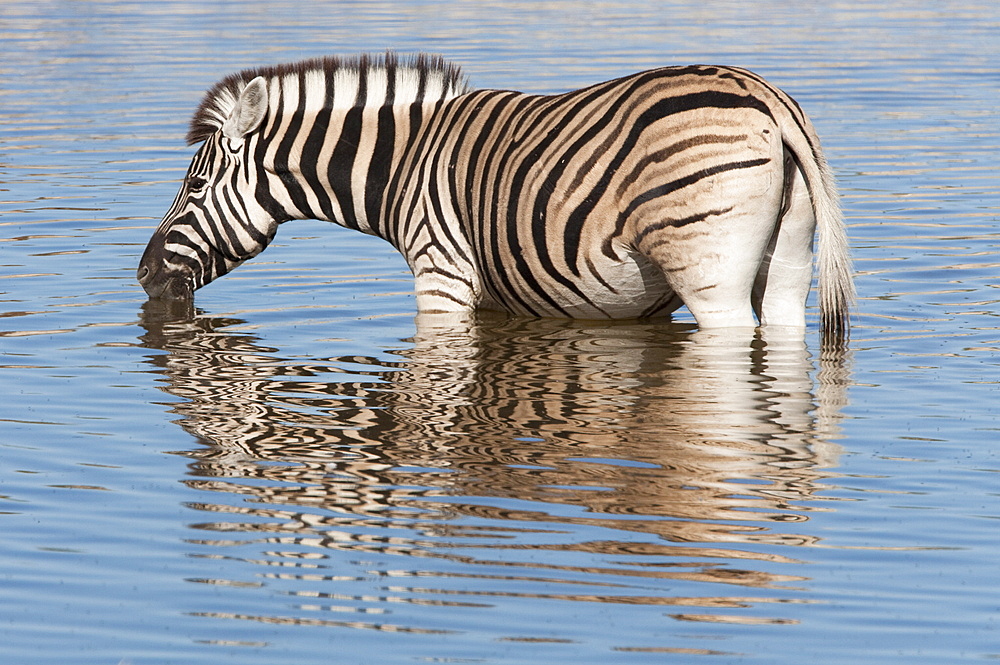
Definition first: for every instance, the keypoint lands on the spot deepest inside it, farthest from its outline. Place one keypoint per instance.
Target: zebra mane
(333, 82)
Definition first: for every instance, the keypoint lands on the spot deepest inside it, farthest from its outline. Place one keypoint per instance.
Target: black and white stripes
(694, 185)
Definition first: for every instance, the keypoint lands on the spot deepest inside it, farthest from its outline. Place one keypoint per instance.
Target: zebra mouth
(165, 285)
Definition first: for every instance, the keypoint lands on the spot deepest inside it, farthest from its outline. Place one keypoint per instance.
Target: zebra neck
(337, 164)
(336, 131)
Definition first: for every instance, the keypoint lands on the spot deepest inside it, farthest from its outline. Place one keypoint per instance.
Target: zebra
(699, 185)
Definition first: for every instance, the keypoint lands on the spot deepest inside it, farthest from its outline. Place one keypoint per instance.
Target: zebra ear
(249, 111)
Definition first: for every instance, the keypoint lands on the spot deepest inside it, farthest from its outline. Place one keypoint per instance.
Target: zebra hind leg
(711, 259)
(785, 276)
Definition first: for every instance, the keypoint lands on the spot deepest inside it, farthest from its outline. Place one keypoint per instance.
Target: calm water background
(304, 473)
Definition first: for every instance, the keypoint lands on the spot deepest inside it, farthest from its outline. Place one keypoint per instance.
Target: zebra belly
(627, 288)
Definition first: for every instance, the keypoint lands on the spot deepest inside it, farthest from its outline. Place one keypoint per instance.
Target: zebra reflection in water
(531, 410)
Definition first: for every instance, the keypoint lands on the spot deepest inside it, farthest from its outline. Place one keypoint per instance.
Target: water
(302, 471)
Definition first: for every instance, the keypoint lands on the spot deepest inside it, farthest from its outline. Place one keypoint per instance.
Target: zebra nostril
(142, 273)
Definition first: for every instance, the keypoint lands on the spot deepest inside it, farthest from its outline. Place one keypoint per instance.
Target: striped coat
(698, 186)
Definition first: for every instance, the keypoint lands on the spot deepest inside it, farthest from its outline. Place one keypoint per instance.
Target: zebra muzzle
(160, 282)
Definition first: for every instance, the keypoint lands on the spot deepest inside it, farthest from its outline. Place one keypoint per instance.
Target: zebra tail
(836, 282)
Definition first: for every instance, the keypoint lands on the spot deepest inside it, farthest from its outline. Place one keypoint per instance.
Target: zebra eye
(196, 184)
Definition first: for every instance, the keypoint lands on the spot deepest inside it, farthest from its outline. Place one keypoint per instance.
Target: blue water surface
(303, 471)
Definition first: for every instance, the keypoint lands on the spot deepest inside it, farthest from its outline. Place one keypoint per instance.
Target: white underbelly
(621, 289)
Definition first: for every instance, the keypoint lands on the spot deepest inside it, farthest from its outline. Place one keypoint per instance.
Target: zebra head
(216, 221)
